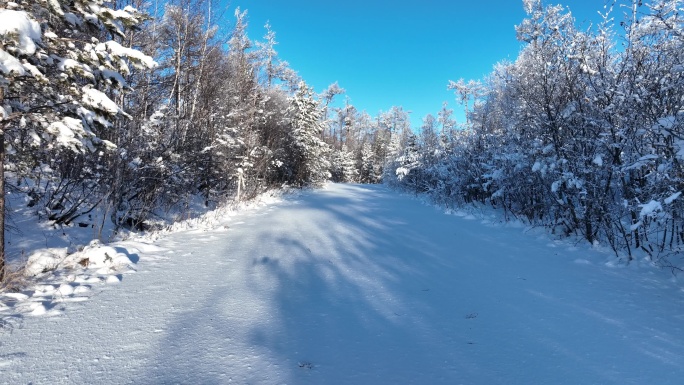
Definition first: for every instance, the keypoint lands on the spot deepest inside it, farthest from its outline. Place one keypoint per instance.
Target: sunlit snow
(348, 285)
(26, 29)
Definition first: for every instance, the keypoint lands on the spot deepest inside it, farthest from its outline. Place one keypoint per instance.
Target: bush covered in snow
(577, 134)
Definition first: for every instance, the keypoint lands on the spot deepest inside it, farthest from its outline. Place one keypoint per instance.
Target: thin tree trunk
(2, 194)
(203, 58)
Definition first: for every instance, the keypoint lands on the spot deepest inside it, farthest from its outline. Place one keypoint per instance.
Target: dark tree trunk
(2, 193)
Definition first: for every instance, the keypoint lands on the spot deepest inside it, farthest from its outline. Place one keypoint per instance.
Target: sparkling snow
(351, 285)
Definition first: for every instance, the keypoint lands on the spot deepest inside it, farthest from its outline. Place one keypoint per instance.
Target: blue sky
(399, 53)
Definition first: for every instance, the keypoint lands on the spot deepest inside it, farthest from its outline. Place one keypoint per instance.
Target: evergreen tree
(309, 165)
(60, 66)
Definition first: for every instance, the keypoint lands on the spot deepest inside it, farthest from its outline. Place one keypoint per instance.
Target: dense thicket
(582, 133)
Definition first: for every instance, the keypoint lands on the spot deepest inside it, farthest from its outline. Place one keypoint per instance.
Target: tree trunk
(2, 193)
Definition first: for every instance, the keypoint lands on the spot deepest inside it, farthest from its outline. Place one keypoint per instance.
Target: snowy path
(358, 285)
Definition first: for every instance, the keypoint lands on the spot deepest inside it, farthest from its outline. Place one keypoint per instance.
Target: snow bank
(94, 256)
(54, 277)
(44, 260)
(215, 218)
(98, 256)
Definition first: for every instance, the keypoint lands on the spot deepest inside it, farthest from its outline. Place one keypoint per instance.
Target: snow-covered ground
(355, 285)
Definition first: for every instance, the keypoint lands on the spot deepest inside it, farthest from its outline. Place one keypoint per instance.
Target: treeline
(583, 133)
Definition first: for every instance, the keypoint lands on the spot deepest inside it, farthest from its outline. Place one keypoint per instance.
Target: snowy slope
(358, 285)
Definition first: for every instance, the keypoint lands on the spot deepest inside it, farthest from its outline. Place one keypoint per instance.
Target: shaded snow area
(356, 285)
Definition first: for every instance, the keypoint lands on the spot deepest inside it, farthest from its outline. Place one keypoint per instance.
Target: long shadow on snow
(344, 281)
(344, 289)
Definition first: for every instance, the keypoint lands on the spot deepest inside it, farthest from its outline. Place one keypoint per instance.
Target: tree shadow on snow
(358, 285)
(337, 290)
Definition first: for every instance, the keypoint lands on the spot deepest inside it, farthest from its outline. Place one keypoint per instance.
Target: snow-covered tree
(465, 92)
(308, 157)
(61, 64)
(429, 140)
(576, 134)
(407, 169)
(342, 166)
(327, 97)
(366, 164)
(272, 67)
(447, 123)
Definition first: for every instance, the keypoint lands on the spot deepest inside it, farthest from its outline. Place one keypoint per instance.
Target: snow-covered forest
(114, 112)
(155, 146)
(110, 114)
(583, 133)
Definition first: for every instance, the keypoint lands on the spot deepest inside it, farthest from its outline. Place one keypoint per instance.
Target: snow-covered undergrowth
(493, 217)
(212, 218)
(54, 265)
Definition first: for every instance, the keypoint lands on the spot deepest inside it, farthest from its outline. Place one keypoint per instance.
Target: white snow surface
(650, 208)
(98, 99)
(67, 131)
(352, 284)
(23, 26)
(120, 51)
(9, 64)
(672, 198)
(598, 160)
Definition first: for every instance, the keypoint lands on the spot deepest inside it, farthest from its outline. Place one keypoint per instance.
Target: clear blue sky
(402, 53)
